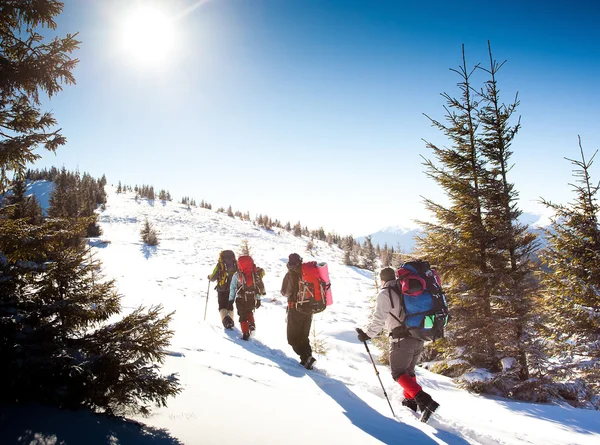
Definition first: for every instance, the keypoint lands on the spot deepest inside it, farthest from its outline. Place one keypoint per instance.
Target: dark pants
(404, 356)
(298, 330)
(245, 309)
(224, 303)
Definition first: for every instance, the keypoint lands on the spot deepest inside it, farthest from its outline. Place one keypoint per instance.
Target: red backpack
(312, 289)
(247, 276)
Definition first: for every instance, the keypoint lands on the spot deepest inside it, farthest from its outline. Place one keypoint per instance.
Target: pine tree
(458, 241)
(30, 66)
(57, 347)
(148, 234)
(347, 248)
(511, 251)
(244, 248)
(369, 255)
(572, 280)
(297, 229)
(55, 341)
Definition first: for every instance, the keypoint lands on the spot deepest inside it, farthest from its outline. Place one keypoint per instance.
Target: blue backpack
(425, 311)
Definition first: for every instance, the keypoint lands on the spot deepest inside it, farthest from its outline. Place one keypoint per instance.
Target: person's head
(387, 274)
(294, 262)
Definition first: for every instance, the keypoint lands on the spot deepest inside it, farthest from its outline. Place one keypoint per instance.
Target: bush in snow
(148, 233)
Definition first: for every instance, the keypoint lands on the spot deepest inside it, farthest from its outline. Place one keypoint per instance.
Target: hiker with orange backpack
(246, 289)
(223, 273)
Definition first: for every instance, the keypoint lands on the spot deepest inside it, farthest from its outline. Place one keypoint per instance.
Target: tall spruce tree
(477, 241)
(457, 240)
(55, 341)
(572, 280)
(510, 252)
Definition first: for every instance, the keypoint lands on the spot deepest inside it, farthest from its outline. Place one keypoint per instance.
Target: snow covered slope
(255, 392)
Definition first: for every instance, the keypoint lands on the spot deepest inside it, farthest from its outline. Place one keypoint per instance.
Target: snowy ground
(237, 392)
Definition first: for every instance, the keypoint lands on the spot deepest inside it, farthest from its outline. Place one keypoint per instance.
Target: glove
(257, 304)
(209, 277)
(362, 337)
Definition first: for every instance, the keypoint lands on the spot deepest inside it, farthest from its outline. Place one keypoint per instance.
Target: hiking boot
(246, 336)
(410, 403)
(310, 361)
(227, 322)
(426, 405)
(251, 326)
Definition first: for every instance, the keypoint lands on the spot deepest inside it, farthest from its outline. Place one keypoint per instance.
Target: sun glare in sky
(148, 36)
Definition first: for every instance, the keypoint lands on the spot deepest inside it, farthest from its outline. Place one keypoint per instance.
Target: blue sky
(313, 110)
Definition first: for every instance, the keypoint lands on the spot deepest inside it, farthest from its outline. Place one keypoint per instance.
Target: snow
(42, 191)
(255, 392)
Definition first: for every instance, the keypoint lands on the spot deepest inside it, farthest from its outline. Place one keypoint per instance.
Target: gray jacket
(381, 316)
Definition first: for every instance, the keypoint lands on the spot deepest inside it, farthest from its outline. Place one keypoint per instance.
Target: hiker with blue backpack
(412, 307)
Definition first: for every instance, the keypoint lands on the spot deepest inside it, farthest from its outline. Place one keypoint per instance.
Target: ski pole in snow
(206, 306)
(377, 373)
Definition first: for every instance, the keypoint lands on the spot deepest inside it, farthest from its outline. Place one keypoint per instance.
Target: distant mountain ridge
(400, 238)
(404, 239)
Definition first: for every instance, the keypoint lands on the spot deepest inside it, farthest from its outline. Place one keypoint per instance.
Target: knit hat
(294, 260)
(387, 274)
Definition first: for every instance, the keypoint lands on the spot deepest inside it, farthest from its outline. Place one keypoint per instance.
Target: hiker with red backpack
(246, 289)
(299, 314)
(223, 273)
(413, 309)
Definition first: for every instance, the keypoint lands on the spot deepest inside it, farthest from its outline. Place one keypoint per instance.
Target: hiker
(246, 289)
(222, 274)
(405, 350)
(299, 318)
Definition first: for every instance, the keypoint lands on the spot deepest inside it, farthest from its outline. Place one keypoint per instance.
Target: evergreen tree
(369, 255)
(55, 341)
(19, 206)
(148, 234)
(512, 247)
(476, 242)
(572, 280)
(244, 248)
(30, 67)
(386, 256)
(297, 229)
(18, 198)
(50, 349)
(347, 248)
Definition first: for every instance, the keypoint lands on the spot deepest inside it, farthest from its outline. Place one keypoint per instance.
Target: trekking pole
(377, 373)
(206, 306)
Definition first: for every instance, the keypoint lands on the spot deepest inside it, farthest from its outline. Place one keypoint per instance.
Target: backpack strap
(401, 331)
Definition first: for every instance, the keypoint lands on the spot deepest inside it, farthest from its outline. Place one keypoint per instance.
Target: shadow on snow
(32, 423)
(362, 415)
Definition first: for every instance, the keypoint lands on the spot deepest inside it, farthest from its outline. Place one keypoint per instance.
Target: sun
(148, 35)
